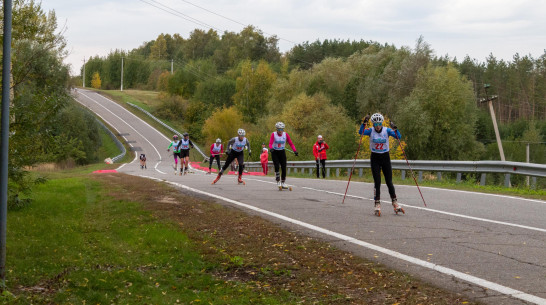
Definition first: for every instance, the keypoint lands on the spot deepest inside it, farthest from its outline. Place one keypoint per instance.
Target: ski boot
(217, 178)
(285, 187)
(279, 185)
(377, 210)
(239, 180)
(210, 171)
(396, 207)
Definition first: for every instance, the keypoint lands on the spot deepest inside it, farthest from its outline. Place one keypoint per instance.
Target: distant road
(490, 247)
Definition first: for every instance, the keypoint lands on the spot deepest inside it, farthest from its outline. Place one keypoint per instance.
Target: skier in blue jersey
(380, 159)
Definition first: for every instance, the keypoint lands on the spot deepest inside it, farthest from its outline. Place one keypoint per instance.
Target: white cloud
(457, 28)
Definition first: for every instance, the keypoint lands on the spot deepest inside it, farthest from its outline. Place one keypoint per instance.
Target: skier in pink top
(277, 144)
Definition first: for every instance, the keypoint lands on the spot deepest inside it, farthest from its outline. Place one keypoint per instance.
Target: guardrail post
(403, 175)
(534, 183)
(337, 172)
(507, 180)
(458, 178)
(360, 172)
(439, 175)
(482, 180)
(328, 172)
(288, 170)
(420, 176)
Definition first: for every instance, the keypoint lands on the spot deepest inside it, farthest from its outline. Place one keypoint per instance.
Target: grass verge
(115, 238)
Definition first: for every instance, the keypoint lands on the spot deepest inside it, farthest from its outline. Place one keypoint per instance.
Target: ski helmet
(186, 134)
(377, 118)
(279, 125)
(175, 137)
(218, 140)
(241, 132)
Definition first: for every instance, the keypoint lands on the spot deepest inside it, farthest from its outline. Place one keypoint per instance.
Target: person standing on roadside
(380, 159)
(264, 158)
(319, 151)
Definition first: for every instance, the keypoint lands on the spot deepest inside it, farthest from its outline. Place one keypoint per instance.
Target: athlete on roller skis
(184, 147)
(216, 149)
(380, 159)
(277, 144)
(176, 152)
(235, 150)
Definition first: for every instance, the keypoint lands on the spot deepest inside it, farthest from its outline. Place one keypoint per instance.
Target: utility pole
(172, 66)
(122, 74)
(83, 72)
(489, 101)
(6, 76)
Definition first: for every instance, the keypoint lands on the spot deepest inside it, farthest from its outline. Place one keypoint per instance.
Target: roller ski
(239, 180)
(397, 208)
(377, 210)
(283, 186)
(217, 178)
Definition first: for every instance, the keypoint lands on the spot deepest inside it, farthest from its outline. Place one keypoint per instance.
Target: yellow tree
(222, 124)
(159, 48)
(95, 81)
(395, 151)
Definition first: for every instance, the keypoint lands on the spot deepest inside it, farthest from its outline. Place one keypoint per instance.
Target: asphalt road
(490, 247)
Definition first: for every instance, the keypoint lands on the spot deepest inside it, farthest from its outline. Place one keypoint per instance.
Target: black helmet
(186, 134)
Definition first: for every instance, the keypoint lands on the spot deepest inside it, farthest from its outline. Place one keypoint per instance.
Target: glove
(296, 153)
(366, 119)
(393, 126)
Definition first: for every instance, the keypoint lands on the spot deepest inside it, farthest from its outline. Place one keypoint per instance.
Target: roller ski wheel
(396, 207)
(285, 187)
(377, 211)
(217, 178)
(399, 209)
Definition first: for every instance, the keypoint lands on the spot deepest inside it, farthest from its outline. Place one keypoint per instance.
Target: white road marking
(444, 270)
(131, 128)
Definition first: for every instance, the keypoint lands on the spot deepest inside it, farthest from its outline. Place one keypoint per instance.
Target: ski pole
(351, 174)
(412, 174)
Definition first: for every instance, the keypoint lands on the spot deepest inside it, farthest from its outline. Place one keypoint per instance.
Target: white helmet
(241, 132)
(279, 125)
(377, 118)
(218, 140)
(319, 137)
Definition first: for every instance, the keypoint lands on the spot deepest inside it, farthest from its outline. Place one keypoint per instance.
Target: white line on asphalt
(424, 209)
(448, 271)
(131, 128)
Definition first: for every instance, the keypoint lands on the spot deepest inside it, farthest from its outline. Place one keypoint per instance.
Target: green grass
(75, 244)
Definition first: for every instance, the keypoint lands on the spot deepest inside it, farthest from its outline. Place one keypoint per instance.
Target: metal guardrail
(118, 143)
(167, 126)
(482, 167)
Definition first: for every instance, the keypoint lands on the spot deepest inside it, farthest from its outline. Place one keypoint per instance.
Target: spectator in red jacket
(319, 151)
(264, 158)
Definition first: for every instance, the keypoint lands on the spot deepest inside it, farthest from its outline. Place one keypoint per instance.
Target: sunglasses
(377, 124)
(280, 129)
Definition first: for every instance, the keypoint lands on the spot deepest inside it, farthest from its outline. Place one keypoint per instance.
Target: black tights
(239, 155)
(279, 160)
(319, 163)
(211, 159)
(382, 162)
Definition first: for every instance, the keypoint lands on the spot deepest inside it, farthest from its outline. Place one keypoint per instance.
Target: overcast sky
(454, 28)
